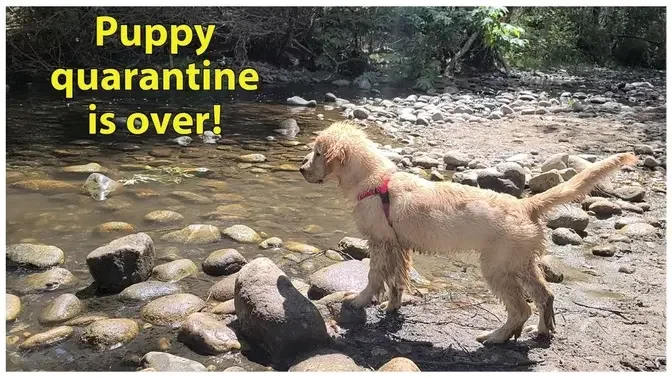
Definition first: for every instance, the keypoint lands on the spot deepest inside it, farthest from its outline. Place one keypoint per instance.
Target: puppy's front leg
(374, 287)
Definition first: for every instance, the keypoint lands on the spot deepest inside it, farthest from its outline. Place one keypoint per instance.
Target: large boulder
(273, 314)
(122, 263)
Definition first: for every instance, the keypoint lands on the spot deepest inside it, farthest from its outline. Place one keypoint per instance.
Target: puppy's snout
(302, 170)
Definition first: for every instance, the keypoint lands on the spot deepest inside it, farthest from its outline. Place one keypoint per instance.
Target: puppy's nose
(302, 170)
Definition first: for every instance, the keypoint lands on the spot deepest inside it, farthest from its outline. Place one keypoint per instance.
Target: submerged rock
(50, 280)
(114, 228)
(163, 217)
(110, 333)
(47, 338)
(300, 248)
(194, 234)
(273, 314)
(148, 290)
(86, 168)
(34, 255)
(122, 262)
(45, 186)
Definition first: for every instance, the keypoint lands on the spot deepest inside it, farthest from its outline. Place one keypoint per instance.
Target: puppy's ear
(335, 152)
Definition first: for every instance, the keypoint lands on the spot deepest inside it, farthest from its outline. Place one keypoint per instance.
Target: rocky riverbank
(206, 274)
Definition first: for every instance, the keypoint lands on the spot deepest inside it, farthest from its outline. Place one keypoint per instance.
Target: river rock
(242, 234)
(34, 255)
(148, 290)
(300, 248)
(544, 181)
(171, 310)
(273, 314)
(557, 162)
(175, 270)
(12, 307)
(568, 217)
(45, 186)
(122, 262)
(194, 234)
(425, 161)
(86, 168)
(349, 275)
(269, 243)
(360, 113)
(630, 193)
(399, 364)
(114, 228)
(110, 333)
(224, 289)
(205, 334)
(565, 236)
(252, 158)
(223, 262)
(604, 208)
(606, 250)
(299, 101)
(50, 280)
(47, 338)
(354, 247)
(325, 360)
(454, 159)
(163, 217)
(190, 197)
(62, 308)
(638, 230)
(84, 320)
(160, 361)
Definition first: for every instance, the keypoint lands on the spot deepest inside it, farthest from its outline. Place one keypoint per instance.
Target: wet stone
(110, 333)
(163, 217)
(171, 310)
(47, 338)
(223, 289)
(34, 255)
(62, 308)
(12, 307)
(223, 262)
(50, 280)
(194, 234)
(148, 290)
(242, 234)
(122, 262)
(175, 270)
(160, 361)
(205, 334)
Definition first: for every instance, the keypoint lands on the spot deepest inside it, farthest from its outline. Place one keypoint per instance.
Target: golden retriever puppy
(399, 212)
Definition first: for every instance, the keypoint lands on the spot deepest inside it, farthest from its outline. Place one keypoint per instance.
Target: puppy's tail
(578, 186)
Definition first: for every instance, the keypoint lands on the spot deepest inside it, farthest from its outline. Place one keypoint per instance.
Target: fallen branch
(615, 312)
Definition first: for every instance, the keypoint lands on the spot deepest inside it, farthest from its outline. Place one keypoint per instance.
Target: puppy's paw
(499, 336)
(388, 307)
(534, 332)
(356, 300)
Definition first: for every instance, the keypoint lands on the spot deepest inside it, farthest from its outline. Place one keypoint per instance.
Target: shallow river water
(46, 133)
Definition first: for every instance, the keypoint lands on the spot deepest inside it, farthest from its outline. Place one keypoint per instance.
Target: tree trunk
(465, 48)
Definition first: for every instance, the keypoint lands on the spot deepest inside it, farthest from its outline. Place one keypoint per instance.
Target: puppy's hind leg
(397, 273)
(537, 288)
(505, 286)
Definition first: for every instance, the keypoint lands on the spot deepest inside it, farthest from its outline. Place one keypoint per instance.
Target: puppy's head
(332, 151)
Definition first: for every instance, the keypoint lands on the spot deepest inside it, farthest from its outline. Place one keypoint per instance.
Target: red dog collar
(384, 196)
